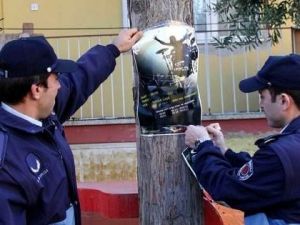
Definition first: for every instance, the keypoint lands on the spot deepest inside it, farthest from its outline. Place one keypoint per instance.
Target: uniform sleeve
(237, 159)
(12, 202)
(257, 184)
(94, 67)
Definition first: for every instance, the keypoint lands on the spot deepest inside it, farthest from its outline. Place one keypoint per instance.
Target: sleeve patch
(246, 171)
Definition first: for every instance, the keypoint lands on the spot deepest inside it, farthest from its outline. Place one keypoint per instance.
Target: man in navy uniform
(265, 186)
(38, 92)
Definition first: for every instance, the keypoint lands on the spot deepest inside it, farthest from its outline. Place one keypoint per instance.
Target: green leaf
(247, 18)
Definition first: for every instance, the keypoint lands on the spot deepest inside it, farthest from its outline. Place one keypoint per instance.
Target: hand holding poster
(167, 64)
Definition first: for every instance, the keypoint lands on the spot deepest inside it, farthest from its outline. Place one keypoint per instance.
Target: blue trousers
(70, 218)
(262, 219)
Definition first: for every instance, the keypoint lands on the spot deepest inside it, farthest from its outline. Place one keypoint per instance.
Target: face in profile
(48, 95)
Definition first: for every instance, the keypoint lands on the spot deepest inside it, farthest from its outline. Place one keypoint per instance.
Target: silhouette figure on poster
(181, 56)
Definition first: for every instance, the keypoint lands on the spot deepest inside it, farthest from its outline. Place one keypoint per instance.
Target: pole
(168, 194)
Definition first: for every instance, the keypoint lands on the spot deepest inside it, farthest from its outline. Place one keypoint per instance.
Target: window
(206, 22)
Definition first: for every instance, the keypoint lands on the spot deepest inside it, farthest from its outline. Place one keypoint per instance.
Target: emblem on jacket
(35, 166)
(33, 162)
(246, 171)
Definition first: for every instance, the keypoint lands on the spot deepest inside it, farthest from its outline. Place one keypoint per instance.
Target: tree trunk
(167, 192)
(146, 13)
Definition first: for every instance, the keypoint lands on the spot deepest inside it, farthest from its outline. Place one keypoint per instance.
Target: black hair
(13, 90)
(295, 94)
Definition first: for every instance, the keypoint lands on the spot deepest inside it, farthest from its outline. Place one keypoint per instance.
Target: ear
(35, 91)
(286, 100)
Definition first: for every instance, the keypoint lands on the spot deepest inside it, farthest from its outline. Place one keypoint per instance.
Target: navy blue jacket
(37, 172)
(268, 182)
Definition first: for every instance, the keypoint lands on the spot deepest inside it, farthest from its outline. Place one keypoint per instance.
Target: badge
(246, 171)
(35, 166)
(33, 162)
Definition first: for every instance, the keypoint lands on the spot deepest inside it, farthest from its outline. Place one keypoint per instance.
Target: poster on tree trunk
(167, 64)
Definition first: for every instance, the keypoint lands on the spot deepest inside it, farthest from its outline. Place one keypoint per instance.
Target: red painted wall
(114, 133)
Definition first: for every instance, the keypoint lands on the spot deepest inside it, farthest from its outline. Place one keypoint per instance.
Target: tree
(146, 13)
(249, 20)
(167, 192)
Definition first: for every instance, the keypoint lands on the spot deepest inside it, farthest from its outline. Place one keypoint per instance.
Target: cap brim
(251, 84)
(65, 66)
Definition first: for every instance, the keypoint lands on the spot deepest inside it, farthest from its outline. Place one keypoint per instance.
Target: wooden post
(168, 194)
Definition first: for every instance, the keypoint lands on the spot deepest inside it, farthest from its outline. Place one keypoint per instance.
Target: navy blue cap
(31, 56)
(278, 71)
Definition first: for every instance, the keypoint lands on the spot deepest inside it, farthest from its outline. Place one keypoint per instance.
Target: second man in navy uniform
(265, 186)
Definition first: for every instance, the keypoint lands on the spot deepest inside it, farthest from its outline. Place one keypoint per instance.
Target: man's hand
(217, 136)
(194, 133)
(127, 38)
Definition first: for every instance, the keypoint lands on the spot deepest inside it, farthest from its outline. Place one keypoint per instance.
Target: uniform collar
(10, 120)
(21, 115)
(293, 126)
(283, 129)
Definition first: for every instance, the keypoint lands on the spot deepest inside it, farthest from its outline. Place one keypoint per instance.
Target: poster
(167, 64)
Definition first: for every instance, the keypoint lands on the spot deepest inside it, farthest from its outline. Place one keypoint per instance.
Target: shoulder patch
(246, 171)
(3, 142)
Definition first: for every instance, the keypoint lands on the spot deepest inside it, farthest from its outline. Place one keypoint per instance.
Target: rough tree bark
(168, 194)
(145, 13)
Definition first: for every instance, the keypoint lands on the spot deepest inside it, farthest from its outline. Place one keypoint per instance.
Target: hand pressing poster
(167, 64)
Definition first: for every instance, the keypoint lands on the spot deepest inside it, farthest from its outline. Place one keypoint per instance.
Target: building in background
(72, 26)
